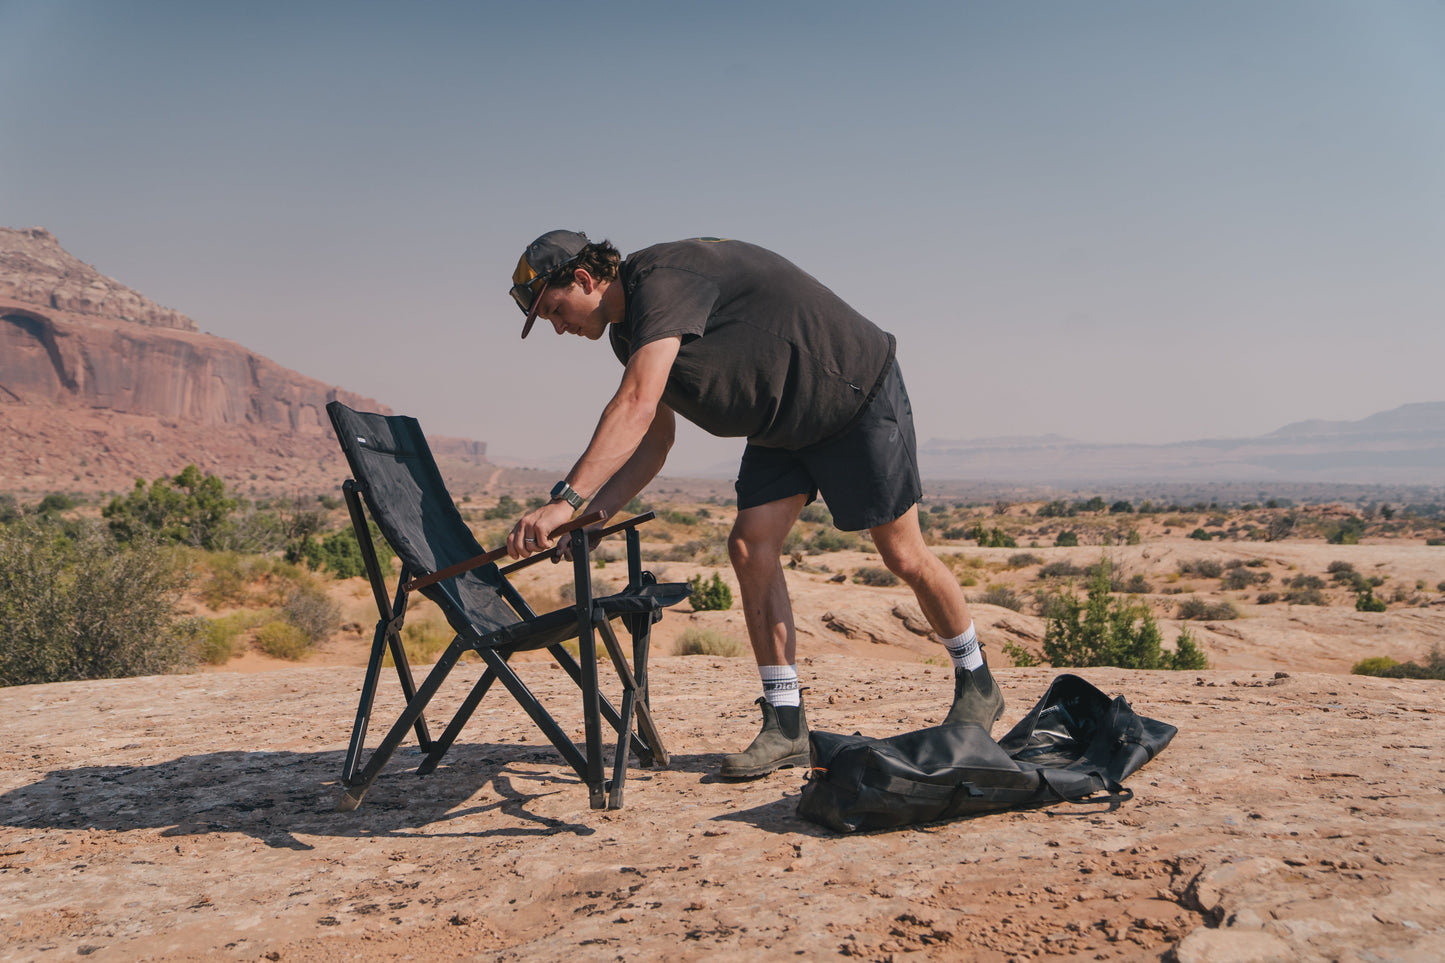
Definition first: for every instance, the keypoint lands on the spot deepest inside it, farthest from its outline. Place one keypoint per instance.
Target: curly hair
(599, 259)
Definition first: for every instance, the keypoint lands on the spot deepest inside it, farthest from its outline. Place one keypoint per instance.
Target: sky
(1114, 221)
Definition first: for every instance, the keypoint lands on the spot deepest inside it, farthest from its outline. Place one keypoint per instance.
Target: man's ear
(584, 280)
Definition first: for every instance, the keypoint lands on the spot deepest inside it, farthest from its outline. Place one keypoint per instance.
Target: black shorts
(868, 475)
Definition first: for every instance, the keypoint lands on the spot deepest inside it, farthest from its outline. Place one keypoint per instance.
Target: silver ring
(529, 539)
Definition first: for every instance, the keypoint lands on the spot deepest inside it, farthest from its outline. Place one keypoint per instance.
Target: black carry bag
(1075, 742)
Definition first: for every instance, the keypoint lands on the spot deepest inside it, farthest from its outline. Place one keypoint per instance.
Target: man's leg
(975, 695)
(755, 547)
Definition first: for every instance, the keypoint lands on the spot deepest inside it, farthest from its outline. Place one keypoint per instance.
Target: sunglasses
(526, 293)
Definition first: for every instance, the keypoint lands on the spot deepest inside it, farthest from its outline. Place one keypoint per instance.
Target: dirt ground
(1296, 816)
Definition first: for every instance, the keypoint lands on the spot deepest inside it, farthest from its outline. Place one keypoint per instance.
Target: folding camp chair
(393, 469)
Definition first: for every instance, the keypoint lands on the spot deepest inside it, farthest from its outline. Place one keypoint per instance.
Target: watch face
(559, 489)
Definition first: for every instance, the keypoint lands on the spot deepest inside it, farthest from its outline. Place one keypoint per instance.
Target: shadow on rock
(272, 796)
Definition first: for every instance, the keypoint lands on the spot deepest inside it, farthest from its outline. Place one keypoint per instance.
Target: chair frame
(496, 649)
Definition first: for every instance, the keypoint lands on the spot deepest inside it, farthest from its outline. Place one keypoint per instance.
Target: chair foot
(348, 802)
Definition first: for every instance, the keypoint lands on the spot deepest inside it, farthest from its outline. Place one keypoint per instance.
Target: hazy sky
(1115, 221)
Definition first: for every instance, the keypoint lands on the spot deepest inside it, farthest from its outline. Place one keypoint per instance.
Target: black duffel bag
(1074, 743)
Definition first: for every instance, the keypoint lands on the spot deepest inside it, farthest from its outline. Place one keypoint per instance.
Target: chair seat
(561, 625)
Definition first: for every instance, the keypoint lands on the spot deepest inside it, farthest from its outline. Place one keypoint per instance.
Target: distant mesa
(100, 385)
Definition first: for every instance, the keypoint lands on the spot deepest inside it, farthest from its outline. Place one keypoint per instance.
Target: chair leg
(440, 746)
(415, 706)
(363, 709)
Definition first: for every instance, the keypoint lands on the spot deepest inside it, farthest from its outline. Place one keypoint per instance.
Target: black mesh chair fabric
(389, 456)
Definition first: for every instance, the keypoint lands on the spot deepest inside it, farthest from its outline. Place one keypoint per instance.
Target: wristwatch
(564, 491)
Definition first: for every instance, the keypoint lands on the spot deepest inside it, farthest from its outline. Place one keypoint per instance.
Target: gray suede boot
(782, 743)
(975, 697)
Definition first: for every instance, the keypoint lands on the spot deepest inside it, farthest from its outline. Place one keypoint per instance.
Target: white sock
(964, 650)
(780, 684)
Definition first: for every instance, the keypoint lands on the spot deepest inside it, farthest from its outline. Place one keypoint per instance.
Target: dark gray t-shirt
(767, 353)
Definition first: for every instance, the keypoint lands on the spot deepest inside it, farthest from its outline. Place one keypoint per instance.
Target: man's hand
(534, 532)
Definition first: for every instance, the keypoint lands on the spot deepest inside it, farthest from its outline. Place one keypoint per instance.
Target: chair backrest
(391, 460)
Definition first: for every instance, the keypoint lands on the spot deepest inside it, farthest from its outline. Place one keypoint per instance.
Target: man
(743, 343)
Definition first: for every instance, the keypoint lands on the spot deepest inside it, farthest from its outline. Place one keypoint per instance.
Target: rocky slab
(1296, 816)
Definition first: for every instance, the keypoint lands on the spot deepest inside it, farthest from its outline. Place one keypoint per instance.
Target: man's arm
(625, 423)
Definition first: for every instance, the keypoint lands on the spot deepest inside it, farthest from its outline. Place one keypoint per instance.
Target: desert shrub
(1305, 582)
(1023, 560)
(1434, 668)
(675, 517)
(1201, 535)
(1121, 507)
(1063, 568)
(1267, 598)
(817, 513)
(711, 595)
(1187, 655)
(1346, 532)
(1197, 608)
(1019, 656)
(992, 538)
(507, 507)
(875, 575)
(1137, 585)
(1237, 579)
(77, 604)
(340, 553)
(1306, 596)
(1100, 630)
(1066, 539)
(1375, 665)
(1340, 571)
(1366, 601)
(219, 636)
(225, 583)
(54, 503)
(9, 509)
(189, 509)
(423, 640)
(1202, 567)
(1003, 596)
(1056, 509)
(710, 551)
(282, 640)
(695, 641)
(311, 610)
(831, 540)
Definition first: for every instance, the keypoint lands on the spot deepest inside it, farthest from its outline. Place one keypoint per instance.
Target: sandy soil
(187, 817)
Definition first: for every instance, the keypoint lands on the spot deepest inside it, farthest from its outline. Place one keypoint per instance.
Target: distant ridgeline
(100, 385)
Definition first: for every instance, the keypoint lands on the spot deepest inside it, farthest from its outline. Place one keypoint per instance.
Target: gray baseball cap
(553, 250)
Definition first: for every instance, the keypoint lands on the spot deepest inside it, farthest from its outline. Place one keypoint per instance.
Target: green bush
(1267, 598)
(1376, 665)
(1021, 657)
(875, 575)
(1137, 585)
(695, 641)
(218, 641)
(1003, 596)
(189, 509)
(1202, 567)
(1201, 535)
(1023, 560)
(340, 553)
(1197, 608)
(1187, 656)
(1063, 568)
(831, 540)
(1366, 601)
(77, 604)
(282, 640)
(816, 512)
(1066, 539)
(1306, 596)
(1103, 630)
(711, 595)
(1434, 668)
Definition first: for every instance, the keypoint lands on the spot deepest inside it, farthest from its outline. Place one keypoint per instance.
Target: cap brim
(532, 314)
